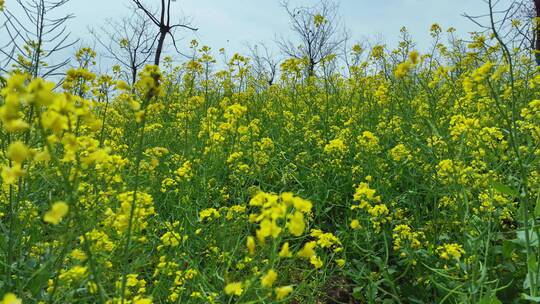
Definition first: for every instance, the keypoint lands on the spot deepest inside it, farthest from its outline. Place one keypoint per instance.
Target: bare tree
(518, 23)
(265, 64)
(318, 30)
(35, 37)
(128, 42)
(162, 20)
(527, 12)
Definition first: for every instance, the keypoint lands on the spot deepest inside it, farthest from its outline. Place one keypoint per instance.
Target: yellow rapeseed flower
(296, 224)
(335, 146)
(413, 57)
(269, 278)
(268, 228)
(285, 252)
(316, 261)
(10, 175)
(250, 244)
(319, 20)
(234, 288)
(283, 292)
(302, 205)
(402, 69)
(308, 250)
(143, 301)
(18, 152)
(448, 251)
(57, 213)
(10, 298)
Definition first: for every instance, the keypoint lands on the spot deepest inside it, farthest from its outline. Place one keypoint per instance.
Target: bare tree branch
(318, 30)
(162, 20)
(35, 36)
(129, 43)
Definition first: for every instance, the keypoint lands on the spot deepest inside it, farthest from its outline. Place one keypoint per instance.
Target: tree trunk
(536, 23)
(133, 75)
(311, 67)
(159, 48)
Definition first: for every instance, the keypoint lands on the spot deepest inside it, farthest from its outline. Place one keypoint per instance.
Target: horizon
(229, 25)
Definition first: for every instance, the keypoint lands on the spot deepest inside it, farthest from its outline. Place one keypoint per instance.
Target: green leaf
(372, 291)
(532, 264)
(530, 298)
(522, 240)
(537, 207)
(358, 292)
(489, 300)
(434, 128)
(507, 248)
(504, 189)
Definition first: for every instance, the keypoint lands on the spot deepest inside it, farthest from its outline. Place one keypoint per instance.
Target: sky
(233, 24)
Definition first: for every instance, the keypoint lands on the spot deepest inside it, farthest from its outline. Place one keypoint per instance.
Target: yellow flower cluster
(278, 212)
(335, 146)
(405, 67)
(368, 201)
(10, 298)
(451, 251)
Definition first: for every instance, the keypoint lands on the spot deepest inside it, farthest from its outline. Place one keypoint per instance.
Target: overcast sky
(232, 24)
